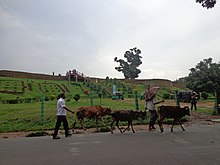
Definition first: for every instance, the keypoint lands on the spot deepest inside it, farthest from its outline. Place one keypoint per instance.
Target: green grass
(35, 88)
(11, 85)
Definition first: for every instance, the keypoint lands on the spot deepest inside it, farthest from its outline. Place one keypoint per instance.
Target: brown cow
(174, 112)
(96, 112)
(126, 115)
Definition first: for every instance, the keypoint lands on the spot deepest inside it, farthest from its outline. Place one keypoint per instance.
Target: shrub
(166, 96)
(76, 97)
(52, 97)
(13, 101)
(46, 98)
(27, 100)
(130, 96)
(130, 90)
(100, 94)
(204, 95)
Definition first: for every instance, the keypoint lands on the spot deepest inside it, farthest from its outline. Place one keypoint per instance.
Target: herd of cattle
(97, 112)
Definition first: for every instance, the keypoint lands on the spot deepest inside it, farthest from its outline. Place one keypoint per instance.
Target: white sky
(57, 35)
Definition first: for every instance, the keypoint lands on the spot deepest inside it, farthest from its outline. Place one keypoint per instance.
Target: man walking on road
(150, 102)
(61, 117)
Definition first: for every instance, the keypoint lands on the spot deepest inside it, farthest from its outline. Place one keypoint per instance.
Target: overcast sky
(58, 35)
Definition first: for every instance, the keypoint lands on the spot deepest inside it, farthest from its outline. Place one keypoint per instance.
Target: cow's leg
(118, 126)
(74, 124)
(160, 123)
(81, 123)
(96, 123)
(174, 122)
(113, 120)
(132, 127)
(181, 124)
(127, 126)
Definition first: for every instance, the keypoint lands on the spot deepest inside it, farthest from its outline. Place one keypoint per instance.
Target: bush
(76, 97)
(166, 96)
(68, 100)
(204, 95)
(13, 101)
(130, 96)
(47, 98)
(52, 97)
(27, 100)
(100, 94)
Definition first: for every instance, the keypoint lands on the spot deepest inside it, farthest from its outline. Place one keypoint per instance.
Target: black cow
(174, 112)
(126, 115)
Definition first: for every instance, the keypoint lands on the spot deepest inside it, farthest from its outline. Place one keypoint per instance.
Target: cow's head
(108, 111)
(187, 111)
(142, 114)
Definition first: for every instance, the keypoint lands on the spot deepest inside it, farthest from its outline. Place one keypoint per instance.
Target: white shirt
(151, 104)
(60, 110)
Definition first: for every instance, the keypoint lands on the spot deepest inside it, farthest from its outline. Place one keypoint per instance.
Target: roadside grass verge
(27, 116)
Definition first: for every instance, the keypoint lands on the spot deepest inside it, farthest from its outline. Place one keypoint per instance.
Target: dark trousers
(193, 104)
(153, 118)
(61, 119)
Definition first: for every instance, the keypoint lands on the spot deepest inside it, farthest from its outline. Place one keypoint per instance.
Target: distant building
(74, 75)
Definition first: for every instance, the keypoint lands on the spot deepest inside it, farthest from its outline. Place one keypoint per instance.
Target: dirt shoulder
(195, 119)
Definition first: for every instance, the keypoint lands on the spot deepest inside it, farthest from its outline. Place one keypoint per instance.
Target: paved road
(198, 145)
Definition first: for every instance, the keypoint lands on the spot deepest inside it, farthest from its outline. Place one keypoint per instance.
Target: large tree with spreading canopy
(205, 77)
(207, 3)
(130, 67)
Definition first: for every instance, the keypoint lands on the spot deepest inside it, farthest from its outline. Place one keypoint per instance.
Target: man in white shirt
(61, 117)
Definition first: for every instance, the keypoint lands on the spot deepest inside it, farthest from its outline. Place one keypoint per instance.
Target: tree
(205, 77)
(207, 3)
(129, 67)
